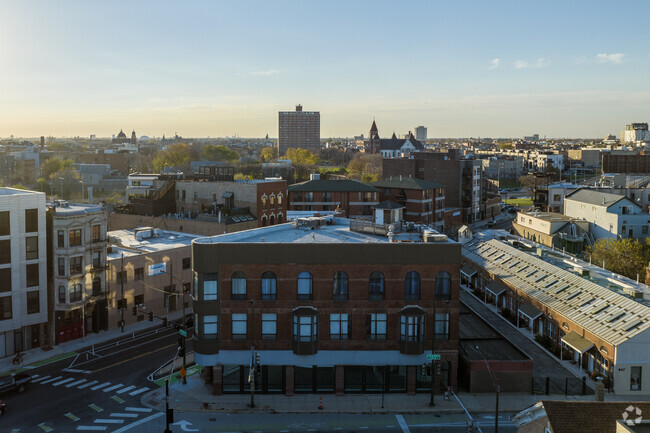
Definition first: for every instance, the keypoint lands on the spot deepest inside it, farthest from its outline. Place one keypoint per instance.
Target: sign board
(182, 332)
(433, 356)
(157, 269)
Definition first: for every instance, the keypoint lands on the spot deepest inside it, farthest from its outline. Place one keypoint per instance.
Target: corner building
(327, 307)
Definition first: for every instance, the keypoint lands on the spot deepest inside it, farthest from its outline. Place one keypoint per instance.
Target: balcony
(411, 347)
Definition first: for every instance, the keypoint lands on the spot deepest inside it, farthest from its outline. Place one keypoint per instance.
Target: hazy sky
(216, 68)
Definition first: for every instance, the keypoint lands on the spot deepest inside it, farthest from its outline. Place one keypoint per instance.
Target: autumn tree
(212, 152)
(175, 155)
(53, 165)
(622, 256)
(269, 154)
(367, 167)
(301, 157)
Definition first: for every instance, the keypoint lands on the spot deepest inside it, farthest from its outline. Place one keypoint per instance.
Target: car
(16, 381)
(3, 407)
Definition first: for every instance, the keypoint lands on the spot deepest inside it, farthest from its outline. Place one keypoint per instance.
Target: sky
(225, 68)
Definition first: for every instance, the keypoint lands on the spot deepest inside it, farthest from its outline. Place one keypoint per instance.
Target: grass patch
(177, 375)
(519, 202)
(53, 359)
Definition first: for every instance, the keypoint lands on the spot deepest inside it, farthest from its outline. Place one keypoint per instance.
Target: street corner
(154, 399)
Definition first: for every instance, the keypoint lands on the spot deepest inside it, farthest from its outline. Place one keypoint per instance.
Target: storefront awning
(468, 271)
(577, 342)
(530, 311)
(495, 288)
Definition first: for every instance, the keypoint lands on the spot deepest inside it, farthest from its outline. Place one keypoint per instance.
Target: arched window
(263, 220)
(280, 199)
(272, 220)
(340, 286)
(376, 286)
(412, 286)
(280, 218)
(238, 285)
(304, 285)
(269, 286)
(272, 200)
(443, 285)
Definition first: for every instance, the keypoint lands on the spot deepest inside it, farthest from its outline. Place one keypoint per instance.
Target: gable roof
(593, 416)
(406, 183)
(596, 197)
(326, 185)
(395, 143)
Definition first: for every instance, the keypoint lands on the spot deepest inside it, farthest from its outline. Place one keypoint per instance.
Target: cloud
(264, 73)
(613, 58)
(523, 64)
(494, 63)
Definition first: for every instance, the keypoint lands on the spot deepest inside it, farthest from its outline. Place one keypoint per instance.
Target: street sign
(433, 356)
(182, 332)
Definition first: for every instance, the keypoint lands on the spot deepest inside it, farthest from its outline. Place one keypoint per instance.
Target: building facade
(327, 309)
(23, 271)
(424, 201)
(299, 129)
(78, 268)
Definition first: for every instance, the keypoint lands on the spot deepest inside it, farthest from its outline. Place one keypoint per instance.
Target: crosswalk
(94, 385)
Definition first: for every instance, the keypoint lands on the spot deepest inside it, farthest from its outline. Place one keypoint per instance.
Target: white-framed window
(269, 326)
(411, 328)
(210, 326)
(239, 326)
(339, 329)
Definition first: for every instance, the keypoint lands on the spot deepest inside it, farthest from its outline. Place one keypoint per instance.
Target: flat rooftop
(336, 230)
(128, 243)
(72, 209)
(548, 216)
(17, 191)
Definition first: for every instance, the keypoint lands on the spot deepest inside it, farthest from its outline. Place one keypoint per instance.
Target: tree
(505, 146)
(301, 157)
(212, 152)
(176, 155)
(366, 167)
(268, 154)
(622, 256)
(53, 165)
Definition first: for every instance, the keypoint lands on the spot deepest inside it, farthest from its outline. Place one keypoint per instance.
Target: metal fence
(561, 385)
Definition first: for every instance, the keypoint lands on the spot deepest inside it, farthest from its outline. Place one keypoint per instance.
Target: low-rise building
(328, 305)
(424, 201)
(553, 230)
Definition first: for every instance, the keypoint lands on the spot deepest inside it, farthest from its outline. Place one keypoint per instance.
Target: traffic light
(428, 369)
(181, 346)
(151, 316)
(424, 369)
(164, 322)
(438, 368)
(257, 358)
(135, 310)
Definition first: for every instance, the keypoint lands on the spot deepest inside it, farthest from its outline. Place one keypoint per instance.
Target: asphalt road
(101, 391)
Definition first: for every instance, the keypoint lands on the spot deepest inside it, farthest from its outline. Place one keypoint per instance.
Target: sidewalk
(197, 396)
(37, 357)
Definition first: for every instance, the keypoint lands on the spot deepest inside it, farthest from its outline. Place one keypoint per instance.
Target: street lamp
(82, 189)
(61, 183)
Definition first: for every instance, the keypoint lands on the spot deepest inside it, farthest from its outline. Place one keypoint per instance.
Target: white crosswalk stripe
(125, 415)
(61, 382)
(109, 389)
(86, 385)
(70, 385)
(139, 391)
(53, 379)
(95, 388)
(39, 379)
(91, 428)
(127, 389)
(138, 409)
(109, 421)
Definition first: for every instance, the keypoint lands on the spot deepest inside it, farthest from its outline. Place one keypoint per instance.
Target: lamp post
(61, 183)
(122, 294)
(433, 351)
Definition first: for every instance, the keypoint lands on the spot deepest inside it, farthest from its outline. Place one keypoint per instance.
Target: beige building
(148, 268)
(553, 230)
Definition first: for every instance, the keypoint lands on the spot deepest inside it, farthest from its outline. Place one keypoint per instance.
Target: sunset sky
(213, 68)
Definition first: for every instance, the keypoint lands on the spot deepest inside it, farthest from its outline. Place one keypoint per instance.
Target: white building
(609, 215)
(420, 133)
(23, 271)
(636, 133)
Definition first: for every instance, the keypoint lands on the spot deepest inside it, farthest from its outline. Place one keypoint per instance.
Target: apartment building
(77, 271)
(424, 201)
(328, 307)
(23, 271)
(298, 129)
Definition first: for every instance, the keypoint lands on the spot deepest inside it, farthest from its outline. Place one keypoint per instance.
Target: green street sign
(182, 332)
(433, 357)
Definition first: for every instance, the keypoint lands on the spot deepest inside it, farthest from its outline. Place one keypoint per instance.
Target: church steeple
(373, 140)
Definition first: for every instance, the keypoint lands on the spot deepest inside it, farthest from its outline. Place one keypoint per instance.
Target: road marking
(34, 376)
(125, 415)
(95, 407)
(40, 378)
(284, 431)
(136, 357)
(141, 390)
(76, 370)
(138, 409)
(402, 424)
(128, 388)
(72, 417)
(109, 389)
(86, 385)
(92, 427)
(44, 427)
(117, 399)
(69, 385)
(138, 422)
(52, 380)
(61, 382)
(95, 388)
(109, 421)
(15, 430)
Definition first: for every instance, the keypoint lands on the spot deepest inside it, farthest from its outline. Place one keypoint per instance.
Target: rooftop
(548, 216)
(594, 197)
(64, 208)
(610, 315)
(326, 185)
(406, 183)
(17, 191)
(142, 240)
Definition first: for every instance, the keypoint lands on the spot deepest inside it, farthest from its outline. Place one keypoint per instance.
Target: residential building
(635, 133)
(328, 306)
(420, 133)
(424, 201)
(78, 270)
(150, 269)
(503, 167)
(351, 198)
(23, 271)
(629, 162)
(587, 156)
(553, 230)
(550, 197)
(462, 178)
(609, 215)
(593, 320)
(299, 129)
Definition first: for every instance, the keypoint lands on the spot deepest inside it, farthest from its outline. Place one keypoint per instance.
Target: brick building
(299, 129)
(327, 307)
(424, 201)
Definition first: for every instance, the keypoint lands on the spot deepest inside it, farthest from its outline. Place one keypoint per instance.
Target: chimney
(603, 200)
(42, 142)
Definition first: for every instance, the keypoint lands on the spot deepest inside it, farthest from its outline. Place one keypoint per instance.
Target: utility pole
(169, 414)
(433, 351)
(184, 335)
(496, 415)
(122, 295)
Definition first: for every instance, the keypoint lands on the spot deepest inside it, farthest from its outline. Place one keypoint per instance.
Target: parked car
(16, 381)
(3, 407)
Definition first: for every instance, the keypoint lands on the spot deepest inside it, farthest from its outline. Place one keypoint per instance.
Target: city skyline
(480, 70)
